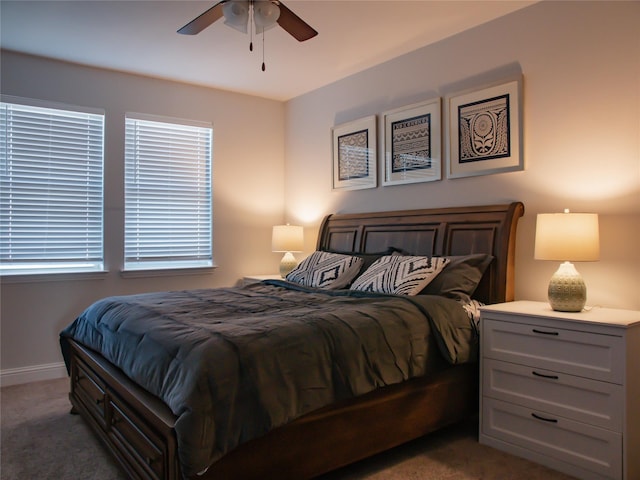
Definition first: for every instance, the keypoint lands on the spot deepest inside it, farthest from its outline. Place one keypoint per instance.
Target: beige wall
(580, 62)
(581, 67)
(248, 157)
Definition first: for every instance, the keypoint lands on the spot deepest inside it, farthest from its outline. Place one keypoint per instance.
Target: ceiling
(140, 37)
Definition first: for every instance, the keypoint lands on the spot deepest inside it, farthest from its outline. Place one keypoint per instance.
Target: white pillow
(399, 274)
(326, 270)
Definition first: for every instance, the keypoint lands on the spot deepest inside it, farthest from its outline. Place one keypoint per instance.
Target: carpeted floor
(40, 439)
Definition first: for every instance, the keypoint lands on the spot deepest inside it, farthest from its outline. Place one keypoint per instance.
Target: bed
(399, 400)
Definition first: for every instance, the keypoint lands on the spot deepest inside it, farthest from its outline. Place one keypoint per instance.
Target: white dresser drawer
(581, 353)
(572, 442)
(570, 396)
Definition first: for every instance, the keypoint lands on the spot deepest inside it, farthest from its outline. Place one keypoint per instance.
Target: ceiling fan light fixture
(236, 14)
(262, 14)
(265, 15)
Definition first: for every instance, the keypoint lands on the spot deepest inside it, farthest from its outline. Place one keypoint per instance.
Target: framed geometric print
(485, 131)
(412, 143)
(354, 154)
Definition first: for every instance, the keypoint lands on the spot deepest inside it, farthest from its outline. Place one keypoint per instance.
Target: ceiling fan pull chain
(263, 65)
(251, 29)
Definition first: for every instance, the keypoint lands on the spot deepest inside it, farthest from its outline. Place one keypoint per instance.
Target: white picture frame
(484, 130)
(355, 164)
(413, 143)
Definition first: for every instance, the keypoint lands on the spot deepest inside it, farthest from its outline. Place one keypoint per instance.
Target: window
(168, 220)
(51, 188)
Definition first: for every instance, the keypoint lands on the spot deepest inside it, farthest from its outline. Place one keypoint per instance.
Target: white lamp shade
(236, 14)
(287, 238)
(572, 237)
(265, 15)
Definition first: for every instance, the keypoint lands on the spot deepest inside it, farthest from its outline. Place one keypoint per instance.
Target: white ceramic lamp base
(567, 291)
(287, 264)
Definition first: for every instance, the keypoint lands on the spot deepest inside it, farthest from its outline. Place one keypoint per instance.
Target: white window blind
(51, 189)
(168, 217)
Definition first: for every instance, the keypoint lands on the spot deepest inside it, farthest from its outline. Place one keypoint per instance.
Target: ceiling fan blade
(293, 24)
(203, 20)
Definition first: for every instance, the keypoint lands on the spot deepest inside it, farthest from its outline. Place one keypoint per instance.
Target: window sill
(167, 272)
(53, 277)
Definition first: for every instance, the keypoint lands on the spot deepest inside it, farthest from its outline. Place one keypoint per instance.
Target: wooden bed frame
(137, 428)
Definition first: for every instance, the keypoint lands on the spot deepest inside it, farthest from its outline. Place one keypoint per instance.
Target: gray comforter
(234, 363)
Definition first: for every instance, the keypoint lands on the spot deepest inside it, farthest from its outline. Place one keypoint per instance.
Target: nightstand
(248, 280)
(562, 389)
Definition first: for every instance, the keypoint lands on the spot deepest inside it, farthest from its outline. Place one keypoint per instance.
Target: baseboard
(36, 373)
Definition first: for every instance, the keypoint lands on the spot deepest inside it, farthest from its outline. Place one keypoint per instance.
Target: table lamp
(287, 239)
(567, 237)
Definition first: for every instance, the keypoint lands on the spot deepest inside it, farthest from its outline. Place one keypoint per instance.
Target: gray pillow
(460, 277)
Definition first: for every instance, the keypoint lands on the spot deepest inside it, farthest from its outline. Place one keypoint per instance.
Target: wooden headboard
(435, 232)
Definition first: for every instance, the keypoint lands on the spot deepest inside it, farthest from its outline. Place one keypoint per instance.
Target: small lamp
(567, 237)
(287, 238)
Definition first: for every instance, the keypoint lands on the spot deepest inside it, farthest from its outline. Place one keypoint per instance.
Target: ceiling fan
(263, 13)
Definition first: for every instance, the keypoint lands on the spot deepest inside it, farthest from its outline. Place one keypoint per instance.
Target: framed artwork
(354, 154)
(485, 131)
(412, 143)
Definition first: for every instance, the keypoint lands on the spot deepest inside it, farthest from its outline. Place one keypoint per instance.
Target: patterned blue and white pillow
(326, 270)
(400, 274)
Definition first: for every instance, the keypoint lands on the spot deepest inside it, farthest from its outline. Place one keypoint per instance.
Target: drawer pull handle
(551, 420)
(552, 377)
(535, 330)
